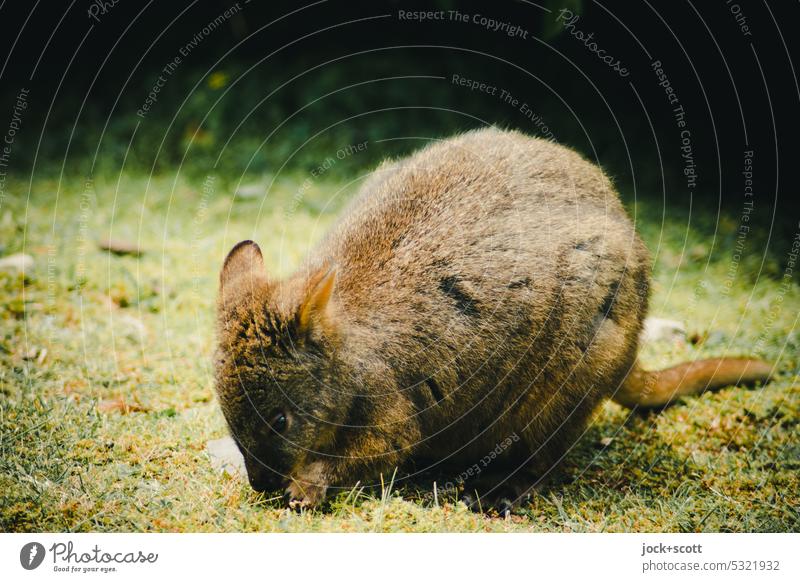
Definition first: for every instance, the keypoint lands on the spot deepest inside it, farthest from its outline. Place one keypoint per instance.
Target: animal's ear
(243, 262)
(315, 306)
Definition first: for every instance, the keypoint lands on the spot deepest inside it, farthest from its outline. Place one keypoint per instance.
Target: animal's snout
(263, 479)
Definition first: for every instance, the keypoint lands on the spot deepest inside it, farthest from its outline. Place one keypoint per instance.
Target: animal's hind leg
(538, 463)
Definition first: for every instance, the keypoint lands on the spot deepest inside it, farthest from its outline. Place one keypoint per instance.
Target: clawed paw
(300, 496)
(502, 500)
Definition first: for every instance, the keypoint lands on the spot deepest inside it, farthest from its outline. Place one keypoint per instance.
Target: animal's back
(500, 277)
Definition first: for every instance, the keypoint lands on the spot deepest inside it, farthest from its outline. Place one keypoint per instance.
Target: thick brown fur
(489, 286)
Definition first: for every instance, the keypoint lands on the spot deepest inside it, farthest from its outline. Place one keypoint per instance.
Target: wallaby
(488, 286)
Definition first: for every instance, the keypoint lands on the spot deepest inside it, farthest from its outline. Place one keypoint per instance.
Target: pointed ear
(244, 260)
(315, 306)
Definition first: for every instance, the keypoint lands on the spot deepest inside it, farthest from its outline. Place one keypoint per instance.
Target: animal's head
(277, 344)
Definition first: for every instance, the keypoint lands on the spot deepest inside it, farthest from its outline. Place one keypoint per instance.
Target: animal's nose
(263, 480)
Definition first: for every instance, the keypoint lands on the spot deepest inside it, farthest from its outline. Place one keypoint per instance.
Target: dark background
(251, 74)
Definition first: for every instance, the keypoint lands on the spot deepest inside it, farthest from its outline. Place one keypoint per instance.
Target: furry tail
(663, 387)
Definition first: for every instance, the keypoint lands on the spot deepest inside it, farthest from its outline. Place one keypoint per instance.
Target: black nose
(263, 480)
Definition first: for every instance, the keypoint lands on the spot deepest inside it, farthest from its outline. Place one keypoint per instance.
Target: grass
(107, 401)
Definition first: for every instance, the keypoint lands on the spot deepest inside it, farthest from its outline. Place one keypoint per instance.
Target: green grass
(86, 327)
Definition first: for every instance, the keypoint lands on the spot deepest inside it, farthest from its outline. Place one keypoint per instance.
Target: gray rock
(225, 457)
(662, 330)
(17, 262)
(132, 327)
(251, 191)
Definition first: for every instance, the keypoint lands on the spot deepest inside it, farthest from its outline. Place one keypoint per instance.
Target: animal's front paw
(307, 491)
(304, 496)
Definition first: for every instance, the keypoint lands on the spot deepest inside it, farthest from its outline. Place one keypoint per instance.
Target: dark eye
(279, 422)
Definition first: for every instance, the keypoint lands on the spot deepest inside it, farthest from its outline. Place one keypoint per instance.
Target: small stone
(250, 191)
(150, 486)
(132, 327)
(119, 247)
(17, 262)
(30, 354)
(660, 330)
(225, 457)
(38, 354)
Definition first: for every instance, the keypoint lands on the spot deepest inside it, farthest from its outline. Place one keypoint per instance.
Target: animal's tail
(663, 387)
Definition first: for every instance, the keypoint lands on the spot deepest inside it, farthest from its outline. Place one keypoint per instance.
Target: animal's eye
(279, 422)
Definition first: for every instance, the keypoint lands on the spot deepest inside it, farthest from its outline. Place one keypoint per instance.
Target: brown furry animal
(488, 290)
